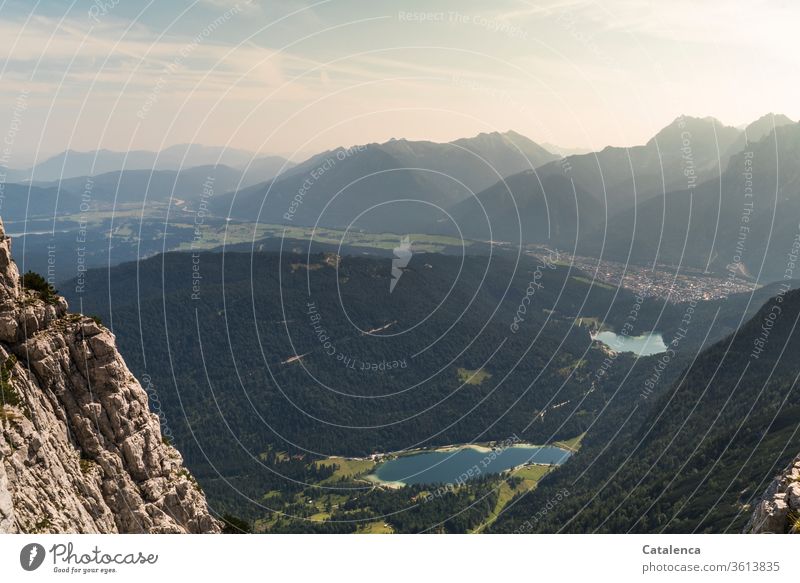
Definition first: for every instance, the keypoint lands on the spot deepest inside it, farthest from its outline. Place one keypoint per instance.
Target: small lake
(644, 345)
(448, 467)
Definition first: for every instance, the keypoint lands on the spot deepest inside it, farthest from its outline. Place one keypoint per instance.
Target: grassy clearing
(320, 516)
(530, 476)
(573, 444)
(233, 232)
(375, 528)
(473, 377)
(346, 468)
(572, 369)
(306, 266)
(588, 281)
(593, 323)
(532, 473)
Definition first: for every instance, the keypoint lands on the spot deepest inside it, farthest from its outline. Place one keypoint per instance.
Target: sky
(291, 77)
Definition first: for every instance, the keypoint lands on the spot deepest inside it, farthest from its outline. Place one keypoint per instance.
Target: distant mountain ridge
(744, 220)
(567, 202)
(415, 186)
(337, 185)
(160, 185)
(64, 196)
(527, 208)
(678, 199)
(621, 177)
(72, 163)
(763, 126)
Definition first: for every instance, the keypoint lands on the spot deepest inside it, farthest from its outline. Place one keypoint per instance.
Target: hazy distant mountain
(161, 185)
(527, 208)
(764, 125)
(71, 164)
(264, 168)
(622, 177)
(338, 185)
(750, 214)
(758, 130)
(500, 149)
(19, 201)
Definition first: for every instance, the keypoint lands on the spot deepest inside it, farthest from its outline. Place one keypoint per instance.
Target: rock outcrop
(80, 450)
(778, 511)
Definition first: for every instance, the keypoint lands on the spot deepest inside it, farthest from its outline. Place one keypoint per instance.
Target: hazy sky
(296, 77)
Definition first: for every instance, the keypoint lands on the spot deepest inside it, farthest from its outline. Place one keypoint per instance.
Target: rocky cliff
(80, 450)
(778, 511)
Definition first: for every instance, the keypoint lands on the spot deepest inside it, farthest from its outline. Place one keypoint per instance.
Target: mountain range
(124, 186)
(525, 208)
(622, 177)
(394, 186)
(68, 196)
(73, 164)
(501, 341)
(744, 221)
(507, 188)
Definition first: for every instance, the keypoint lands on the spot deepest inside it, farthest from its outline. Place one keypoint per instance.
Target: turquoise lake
(644, 345)
(448, 467)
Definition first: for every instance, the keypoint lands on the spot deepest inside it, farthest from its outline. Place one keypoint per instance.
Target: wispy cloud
(575, 64)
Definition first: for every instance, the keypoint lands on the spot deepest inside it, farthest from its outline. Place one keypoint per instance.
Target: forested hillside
(704, 452)
(376, 371)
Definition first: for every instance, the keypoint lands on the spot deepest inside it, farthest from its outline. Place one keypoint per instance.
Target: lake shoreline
(644, 344)
(455, 449)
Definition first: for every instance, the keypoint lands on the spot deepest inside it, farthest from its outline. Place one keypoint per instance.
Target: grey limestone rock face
(778, 511)
(80, 451)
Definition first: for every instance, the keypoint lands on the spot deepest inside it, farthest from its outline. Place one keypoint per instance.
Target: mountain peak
(763, 126)
(537, 154)
(494, 136)
(688, 123)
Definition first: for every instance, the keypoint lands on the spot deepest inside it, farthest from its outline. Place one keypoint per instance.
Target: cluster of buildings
(675, 284)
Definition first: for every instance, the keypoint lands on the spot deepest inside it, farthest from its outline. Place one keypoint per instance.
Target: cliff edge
(778, 511)
(80, 451)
